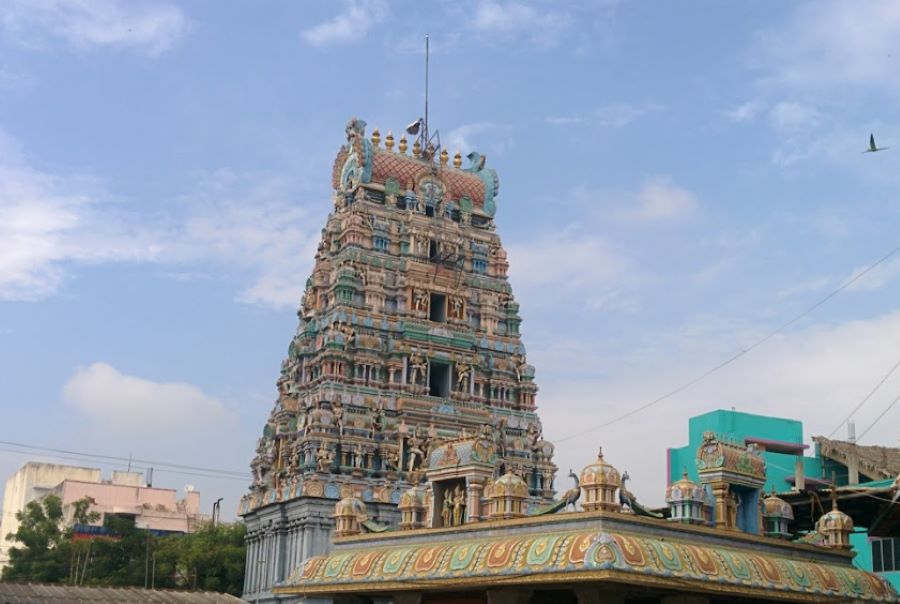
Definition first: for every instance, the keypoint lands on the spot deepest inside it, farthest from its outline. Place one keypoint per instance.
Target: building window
(479, 265)
(885, 555)
(439, 379)
(438, 308)
(380, 243)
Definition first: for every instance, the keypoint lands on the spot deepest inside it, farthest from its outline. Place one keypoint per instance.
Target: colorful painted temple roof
(717, 456)
(589, 555)
(474, 186)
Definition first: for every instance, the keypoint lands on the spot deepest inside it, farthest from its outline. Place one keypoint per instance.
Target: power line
(87, 458)
(889, 407)
(738, 354)
(166, 466)
(867, 397)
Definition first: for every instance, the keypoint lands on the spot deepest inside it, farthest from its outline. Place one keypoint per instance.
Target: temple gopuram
(407, 358)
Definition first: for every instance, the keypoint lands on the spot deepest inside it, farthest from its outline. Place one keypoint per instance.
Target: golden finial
(417, 148)
(389, 141)
(403, 144)
(376, 137)
(445, 157)
(457, 160)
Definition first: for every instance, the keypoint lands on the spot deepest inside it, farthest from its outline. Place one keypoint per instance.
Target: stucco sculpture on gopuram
(408, 340)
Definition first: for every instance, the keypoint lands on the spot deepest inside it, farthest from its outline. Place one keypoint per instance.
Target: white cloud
(111, 398)
(804, 287)
(877, 278)
(508, 19)
(787, 116)
(834, 44)
(618, 115)
(815, 375)
(745, 112)
(248, 226)
(252, 226)
(149, 27)
(572, 263)
(661, 200)
(564, 120)
(350, 25)
(609, 115)
(48, 221)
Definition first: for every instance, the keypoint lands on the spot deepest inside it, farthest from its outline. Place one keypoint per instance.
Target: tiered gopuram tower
(408, 340)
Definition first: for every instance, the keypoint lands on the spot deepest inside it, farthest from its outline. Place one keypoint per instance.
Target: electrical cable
(737, 355)
(877, 419)
(866, 398)
(166, 466)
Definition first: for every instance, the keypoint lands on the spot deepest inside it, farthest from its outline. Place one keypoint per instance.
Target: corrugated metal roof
(38, 593)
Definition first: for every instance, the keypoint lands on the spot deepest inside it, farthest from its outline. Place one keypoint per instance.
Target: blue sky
(677, 180)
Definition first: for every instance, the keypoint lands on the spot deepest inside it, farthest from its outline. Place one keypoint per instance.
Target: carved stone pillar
(720, 491)
(473, 506)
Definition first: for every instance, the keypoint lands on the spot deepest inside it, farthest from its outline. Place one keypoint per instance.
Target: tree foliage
(212, 558)
(43, 554)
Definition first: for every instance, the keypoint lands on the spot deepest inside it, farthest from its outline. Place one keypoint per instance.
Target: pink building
(124, 494)
(127, 495)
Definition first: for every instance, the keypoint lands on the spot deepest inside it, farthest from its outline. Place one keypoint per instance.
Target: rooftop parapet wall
(588, 547)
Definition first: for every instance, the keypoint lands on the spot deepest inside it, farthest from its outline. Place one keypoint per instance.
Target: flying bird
(872, 147)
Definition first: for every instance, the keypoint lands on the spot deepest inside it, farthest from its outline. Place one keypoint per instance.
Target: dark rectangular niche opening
(438, 308)
(439, 379)
(432, 249)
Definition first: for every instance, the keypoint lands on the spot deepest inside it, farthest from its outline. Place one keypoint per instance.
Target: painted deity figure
(447, 508)
(420, 300)
(459, 506)
(417, 366)
(456, 307)
(416, 454)
(338, 412)
(462, 376)
(391, 460)
(324, 458)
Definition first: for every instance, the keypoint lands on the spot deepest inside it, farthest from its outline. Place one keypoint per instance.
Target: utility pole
(216, 511)
(147, 559)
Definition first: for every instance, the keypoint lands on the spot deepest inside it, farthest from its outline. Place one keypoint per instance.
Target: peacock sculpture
(569, 498)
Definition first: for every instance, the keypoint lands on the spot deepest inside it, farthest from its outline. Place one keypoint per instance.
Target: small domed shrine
(599, 483)
(506, 497)
(835, 526)
(687, 501)
(777, 514)
(412, 508)
(349, 513)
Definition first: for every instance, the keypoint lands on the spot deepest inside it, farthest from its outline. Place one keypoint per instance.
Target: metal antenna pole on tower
(426, 88)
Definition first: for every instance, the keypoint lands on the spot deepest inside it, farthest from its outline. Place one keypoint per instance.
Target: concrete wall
(153, 508)
(30, 483)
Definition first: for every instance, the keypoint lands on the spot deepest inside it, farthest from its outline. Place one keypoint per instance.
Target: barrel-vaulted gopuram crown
(408, 338)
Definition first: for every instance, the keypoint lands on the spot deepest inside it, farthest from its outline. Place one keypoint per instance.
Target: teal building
(870, 472)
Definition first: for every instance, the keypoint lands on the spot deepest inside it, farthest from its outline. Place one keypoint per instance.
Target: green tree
(211, 558)
(44, 552)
